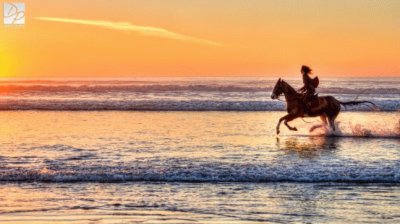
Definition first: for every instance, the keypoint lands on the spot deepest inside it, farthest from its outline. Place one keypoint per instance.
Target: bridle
(282, 93)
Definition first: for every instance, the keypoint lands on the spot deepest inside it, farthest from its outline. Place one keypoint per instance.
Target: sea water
(184, 94)
(128, 164)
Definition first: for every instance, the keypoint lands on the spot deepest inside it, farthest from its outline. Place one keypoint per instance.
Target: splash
(349, 129)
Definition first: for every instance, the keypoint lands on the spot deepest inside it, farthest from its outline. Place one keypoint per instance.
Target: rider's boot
(306, 106)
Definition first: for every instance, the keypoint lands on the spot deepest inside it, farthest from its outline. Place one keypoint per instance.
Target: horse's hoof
(277, 132)
(294, 129)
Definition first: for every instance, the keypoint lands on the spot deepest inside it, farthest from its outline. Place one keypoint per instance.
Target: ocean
(183, 94)
(194, 150)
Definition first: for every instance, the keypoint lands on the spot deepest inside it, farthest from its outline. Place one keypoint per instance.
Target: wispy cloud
(143, 30)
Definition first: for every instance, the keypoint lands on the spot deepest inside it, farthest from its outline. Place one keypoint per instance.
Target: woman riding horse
(328, 107)
(309, 86)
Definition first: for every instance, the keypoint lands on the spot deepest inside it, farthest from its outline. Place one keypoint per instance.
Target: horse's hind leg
(333, 113)
(332, 122)
(324, 121)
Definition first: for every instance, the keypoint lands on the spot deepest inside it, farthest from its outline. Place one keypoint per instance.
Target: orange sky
(121, 38)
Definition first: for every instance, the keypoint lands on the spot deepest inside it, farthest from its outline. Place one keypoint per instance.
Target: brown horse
(326, 107)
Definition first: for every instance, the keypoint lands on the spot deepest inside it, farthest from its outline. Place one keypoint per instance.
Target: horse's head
(278, 89)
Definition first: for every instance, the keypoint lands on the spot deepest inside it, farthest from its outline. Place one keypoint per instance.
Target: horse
(326, 107)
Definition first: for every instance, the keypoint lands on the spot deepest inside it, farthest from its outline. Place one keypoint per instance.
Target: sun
(6, 64)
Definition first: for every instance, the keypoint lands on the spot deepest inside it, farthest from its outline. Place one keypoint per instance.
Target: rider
(310, 84)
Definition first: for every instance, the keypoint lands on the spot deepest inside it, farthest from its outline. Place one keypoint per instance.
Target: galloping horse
(327, 107)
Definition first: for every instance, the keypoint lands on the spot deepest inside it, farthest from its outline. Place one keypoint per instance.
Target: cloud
(143, 30)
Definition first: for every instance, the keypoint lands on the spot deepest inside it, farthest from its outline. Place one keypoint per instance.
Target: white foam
(310, 171)
(201, 94)
(166, 105)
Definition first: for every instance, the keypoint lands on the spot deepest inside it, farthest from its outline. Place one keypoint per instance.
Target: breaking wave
(201, 94)
(167, 105)
(346, 171)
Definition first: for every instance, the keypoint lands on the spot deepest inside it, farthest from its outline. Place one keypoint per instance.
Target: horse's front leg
(279, 124)
(290, 117)
(287, 118)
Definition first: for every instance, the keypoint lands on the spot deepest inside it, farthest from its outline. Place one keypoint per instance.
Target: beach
(155, 202)
(196, 167)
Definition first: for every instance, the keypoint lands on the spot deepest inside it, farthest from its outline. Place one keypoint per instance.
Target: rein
(280, 99)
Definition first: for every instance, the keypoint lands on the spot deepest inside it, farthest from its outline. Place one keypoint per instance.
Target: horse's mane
(289, 86)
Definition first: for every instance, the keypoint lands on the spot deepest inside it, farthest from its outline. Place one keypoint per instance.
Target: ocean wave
(346, 171)
(168, 105)
(12, 88)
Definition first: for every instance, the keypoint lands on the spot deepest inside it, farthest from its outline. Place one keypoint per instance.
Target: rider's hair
(305, 70)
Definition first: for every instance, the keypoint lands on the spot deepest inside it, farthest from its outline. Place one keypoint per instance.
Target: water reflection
(308, 147)
(300, 201)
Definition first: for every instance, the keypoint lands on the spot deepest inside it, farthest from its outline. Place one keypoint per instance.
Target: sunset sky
(121, 38)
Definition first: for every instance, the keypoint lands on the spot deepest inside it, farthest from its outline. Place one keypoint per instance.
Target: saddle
(309, 102)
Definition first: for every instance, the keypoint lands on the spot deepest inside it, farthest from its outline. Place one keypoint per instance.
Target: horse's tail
(354, 102)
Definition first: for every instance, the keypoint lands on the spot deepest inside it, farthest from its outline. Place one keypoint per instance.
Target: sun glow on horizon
(7, 63)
